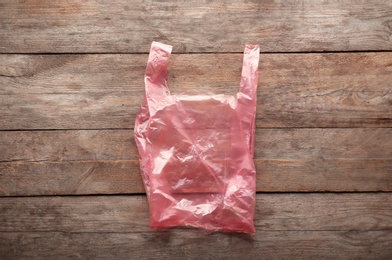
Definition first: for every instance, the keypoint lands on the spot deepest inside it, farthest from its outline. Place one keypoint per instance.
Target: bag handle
(250, 71)
(156, 76)
(248, 92)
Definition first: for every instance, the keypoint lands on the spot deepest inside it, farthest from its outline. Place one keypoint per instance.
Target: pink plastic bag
(196, 151)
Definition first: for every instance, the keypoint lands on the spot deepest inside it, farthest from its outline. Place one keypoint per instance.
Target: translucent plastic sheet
(196, 151)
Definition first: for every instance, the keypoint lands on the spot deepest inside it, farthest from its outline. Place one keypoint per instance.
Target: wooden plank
(279, 144)
(123, 177)
(79, 26)
(67, 145)
(64, 178)
(324, 175)
(274, 212)
(105, 91)
(184, 244)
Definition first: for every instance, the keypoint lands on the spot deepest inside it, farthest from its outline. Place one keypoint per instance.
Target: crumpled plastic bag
(196, 151)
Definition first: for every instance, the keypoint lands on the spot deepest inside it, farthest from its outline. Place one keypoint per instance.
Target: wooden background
(71, 82)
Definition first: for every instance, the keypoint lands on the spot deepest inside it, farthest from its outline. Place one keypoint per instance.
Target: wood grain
(191, 244)
(71, 82)
(77, 26)
(280, 144)
(274, 212)
(105, 161)
(64, 178)
(105, 91)
(123, 177)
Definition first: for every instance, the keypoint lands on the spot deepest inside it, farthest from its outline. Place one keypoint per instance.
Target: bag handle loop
(156, 76)
(247, 96)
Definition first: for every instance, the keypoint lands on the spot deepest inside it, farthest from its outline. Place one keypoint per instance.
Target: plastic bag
(196, 151)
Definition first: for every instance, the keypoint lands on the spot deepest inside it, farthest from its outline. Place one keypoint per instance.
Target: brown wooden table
(71, 82)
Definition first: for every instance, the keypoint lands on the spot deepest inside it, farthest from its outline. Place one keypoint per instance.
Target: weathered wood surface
(274, 212)
(105, 91)
(295, 226)
(282, 144)
(123, 177)
(105, 161)
(77, 26)
(324, 124)
(195, 244)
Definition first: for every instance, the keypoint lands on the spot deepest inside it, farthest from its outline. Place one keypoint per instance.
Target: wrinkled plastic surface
(196, 151)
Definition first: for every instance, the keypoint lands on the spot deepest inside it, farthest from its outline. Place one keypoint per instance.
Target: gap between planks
(192, 53)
